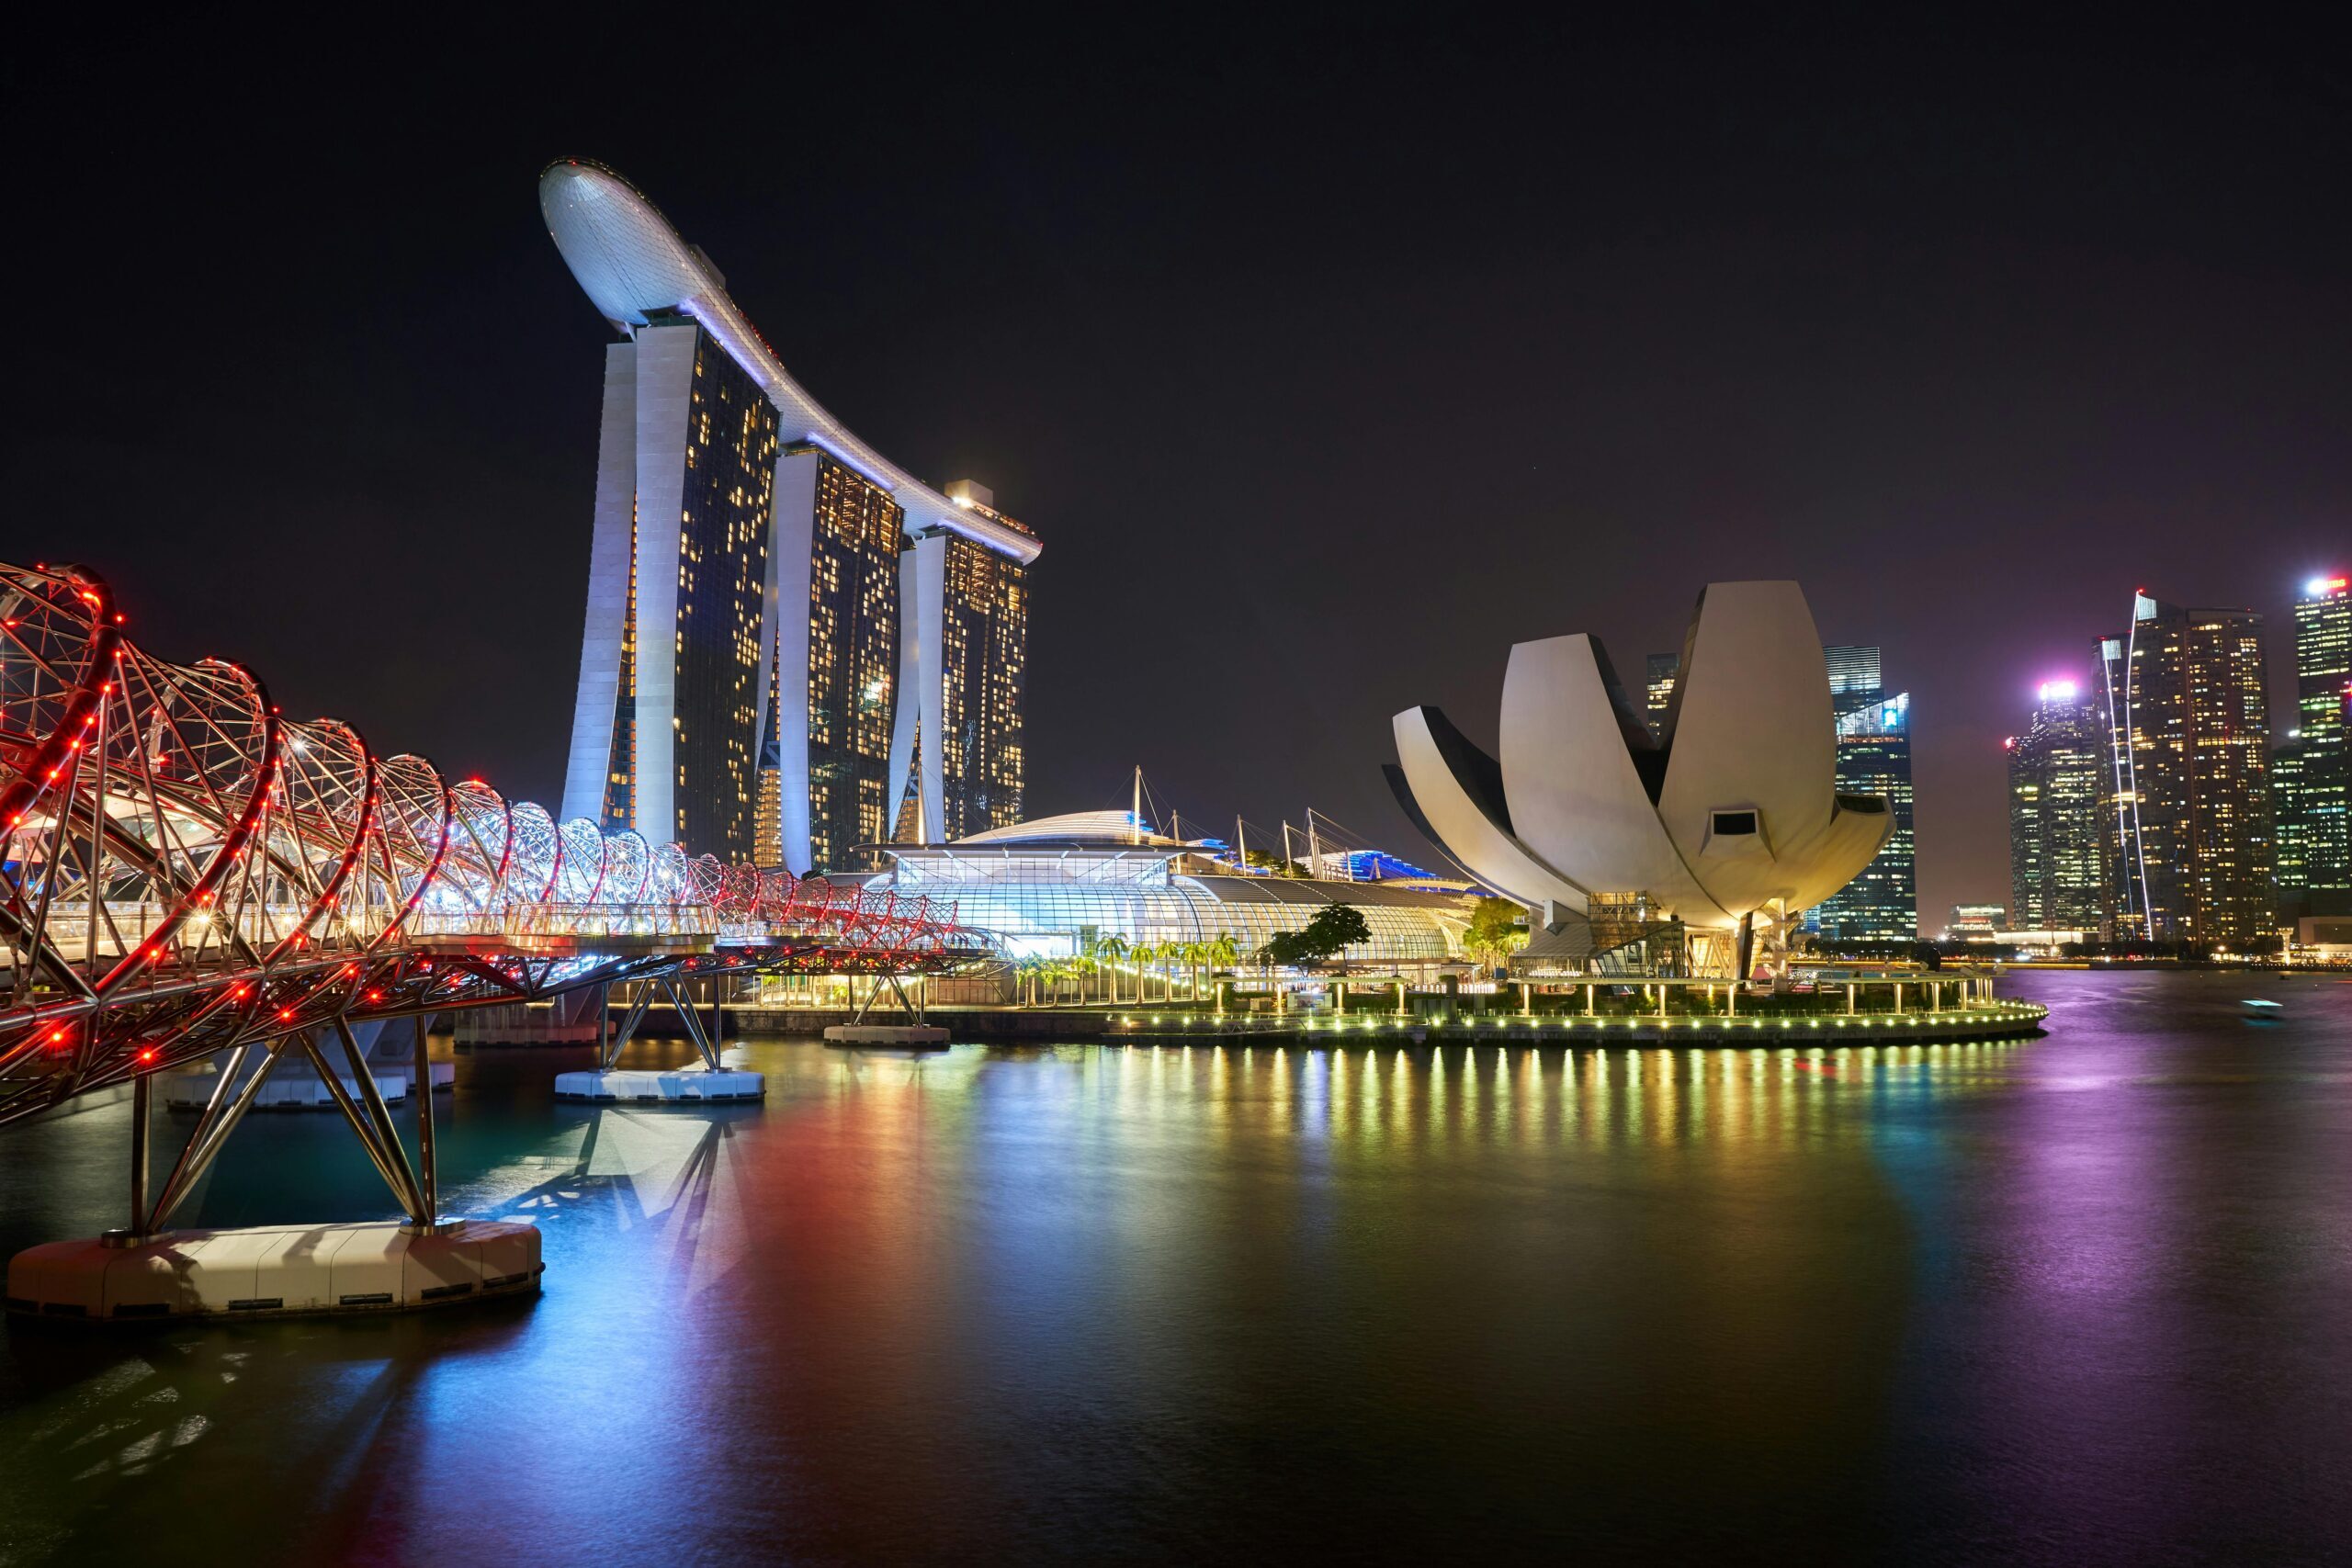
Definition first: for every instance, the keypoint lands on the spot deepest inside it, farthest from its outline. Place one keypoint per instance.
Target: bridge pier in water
(147, 1270)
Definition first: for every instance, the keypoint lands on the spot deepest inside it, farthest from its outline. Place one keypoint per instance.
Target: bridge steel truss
(186, 873)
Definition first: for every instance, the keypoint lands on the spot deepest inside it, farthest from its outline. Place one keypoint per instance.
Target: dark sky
(1327, 362)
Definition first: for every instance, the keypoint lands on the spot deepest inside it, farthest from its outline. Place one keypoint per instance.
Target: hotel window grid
(853, 663)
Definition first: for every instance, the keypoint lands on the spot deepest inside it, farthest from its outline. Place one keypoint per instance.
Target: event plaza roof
(634, 266)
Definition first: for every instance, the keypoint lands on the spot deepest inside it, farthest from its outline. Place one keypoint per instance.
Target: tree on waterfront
(1334, 929)
(1498, 929)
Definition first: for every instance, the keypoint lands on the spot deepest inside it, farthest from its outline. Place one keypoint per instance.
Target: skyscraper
(2055, 768)
(2323, 818)
(2291, 812)
(958, 764)
(745, 639)
(2186, 823)
(1854, 678)
(1875, 758)
(1657, 692)
(663, 743)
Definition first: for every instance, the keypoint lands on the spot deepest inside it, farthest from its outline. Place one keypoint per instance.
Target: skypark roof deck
(633, 264)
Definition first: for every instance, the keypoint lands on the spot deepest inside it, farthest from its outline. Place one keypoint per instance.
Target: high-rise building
(746, 638)
(2055, 772)
(2322, 819)
(2186, 824)
(2291, 812)
(1854, 678)
(1657, 692)
(1875, 758)
(957, 762)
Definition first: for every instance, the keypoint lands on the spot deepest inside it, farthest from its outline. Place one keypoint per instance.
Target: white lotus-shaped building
(1730, 816)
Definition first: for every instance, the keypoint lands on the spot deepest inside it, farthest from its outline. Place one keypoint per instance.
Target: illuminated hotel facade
(791, 645)
(2185, 817)
(2055, 768)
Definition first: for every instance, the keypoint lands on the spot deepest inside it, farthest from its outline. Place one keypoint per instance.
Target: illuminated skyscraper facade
(1854, 676)
(1881, 904)
(678, 564)
(2322, 818)
(2291, 812)
(2055, 772)
(1657, 692)
(958, 761)
(2186, 819)
(745, 642)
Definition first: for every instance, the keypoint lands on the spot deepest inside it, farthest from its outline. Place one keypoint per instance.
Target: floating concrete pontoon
(915, 1034)
(274, 1271)
(689, 1084)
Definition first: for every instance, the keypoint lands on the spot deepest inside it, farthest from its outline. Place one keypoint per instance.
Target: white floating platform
(690, 1084)
(885, 1034)
(297, 1086)
(274, 1271)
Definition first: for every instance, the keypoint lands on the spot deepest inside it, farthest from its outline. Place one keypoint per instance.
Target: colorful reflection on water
(2071, 1300)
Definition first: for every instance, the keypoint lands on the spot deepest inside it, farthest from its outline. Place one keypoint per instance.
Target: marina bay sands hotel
(793, 647)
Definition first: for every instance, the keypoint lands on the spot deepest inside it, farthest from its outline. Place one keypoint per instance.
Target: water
(2078, 1300)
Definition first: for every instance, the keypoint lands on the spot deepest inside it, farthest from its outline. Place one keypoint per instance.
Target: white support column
(904, 727)
(790, 560)
(590, 757)
(665, 374)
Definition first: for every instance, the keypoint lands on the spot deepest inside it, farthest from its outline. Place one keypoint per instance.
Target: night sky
(1327, 363)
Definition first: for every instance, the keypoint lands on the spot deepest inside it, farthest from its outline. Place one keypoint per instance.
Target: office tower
(2186, 826)
(1875, 758)
(2291, 812)
(2055, 772)
(1657, 692)
(1854, 679)
(2323, 693)
(958, 761)
(742, 654)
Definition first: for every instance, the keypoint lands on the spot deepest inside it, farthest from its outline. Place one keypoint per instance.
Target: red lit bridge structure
(188, 873)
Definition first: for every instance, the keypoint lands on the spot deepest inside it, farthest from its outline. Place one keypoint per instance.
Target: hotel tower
(792, 647)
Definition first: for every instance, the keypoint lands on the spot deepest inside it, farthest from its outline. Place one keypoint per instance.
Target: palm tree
(1110, 951)
(1221, 952)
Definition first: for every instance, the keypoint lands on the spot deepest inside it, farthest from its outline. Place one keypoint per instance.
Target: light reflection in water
(2048, 1300)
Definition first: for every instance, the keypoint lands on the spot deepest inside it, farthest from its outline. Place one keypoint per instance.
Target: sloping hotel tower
(792, 645)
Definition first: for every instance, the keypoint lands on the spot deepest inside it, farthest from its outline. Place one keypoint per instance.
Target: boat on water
(2261, 1007)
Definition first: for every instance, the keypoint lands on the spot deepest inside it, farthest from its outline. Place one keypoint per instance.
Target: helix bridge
(187, 872)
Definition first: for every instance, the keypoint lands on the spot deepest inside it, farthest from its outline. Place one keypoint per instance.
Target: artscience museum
(1727, 823)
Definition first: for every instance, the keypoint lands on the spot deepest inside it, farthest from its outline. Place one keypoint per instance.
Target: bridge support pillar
(430, 1171)
(142, 1106)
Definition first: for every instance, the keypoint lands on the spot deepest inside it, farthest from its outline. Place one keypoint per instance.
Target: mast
(1313, 847)
(1240, 845)
(1135, 816)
